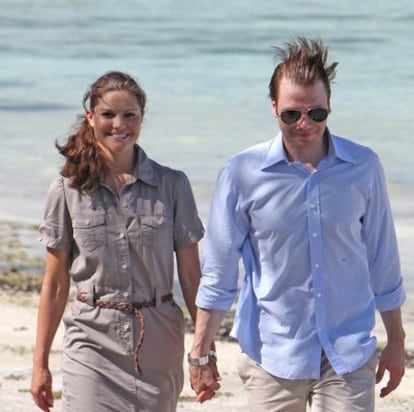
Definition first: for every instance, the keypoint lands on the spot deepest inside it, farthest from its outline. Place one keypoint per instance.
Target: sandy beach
(17, 331)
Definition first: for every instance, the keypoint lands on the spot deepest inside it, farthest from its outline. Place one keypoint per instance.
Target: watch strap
(201, 361)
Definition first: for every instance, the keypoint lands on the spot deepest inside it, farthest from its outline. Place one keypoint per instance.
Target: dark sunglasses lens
(290, 116)
(318, 115)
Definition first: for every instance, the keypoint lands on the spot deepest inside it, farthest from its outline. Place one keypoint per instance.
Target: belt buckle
(125, 307)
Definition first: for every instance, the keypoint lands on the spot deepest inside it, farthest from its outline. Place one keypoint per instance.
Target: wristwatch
(202, 360)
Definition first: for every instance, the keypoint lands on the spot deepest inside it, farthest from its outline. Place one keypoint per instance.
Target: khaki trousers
(352, 392)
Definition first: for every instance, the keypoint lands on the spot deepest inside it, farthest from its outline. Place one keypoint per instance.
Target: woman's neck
(123, 164)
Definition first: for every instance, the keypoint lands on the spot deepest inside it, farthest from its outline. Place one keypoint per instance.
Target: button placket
(315, 246)
(123, 252)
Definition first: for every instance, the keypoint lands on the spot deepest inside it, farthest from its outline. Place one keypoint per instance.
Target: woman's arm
(189, 273)
(53, 298)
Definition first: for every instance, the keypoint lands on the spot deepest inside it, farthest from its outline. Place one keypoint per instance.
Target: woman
(112, 224)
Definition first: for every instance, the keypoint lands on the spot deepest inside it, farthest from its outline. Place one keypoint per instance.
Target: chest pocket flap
(156, 230)
(89, 230)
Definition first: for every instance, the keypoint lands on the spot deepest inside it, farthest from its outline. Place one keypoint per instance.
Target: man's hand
(392, 359)
(204, 380)
(393, 355)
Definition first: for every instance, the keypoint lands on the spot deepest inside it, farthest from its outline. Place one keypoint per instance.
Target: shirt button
(319, 295)
(124, 266)
(125, 205)
(317, 265)
(121, 235)
(314, 234)
(87, 221)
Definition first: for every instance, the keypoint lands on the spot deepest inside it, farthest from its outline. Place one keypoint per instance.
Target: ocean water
(205, 67)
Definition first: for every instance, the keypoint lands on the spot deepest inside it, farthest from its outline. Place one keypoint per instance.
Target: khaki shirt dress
(122, 250)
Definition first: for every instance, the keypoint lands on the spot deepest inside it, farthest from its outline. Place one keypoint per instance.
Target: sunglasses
(292, 116)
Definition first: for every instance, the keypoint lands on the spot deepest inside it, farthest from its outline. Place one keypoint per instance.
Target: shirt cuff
(212, 298)
(391, 301)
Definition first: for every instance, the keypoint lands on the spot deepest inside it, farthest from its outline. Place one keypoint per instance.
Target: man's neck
(310, 156)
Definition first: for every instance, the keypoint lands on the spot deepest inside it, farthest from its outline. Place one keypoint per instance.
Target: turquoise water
(205, 68)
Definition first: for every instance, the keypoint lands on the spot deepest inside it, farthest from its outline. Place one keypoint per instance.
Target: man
(308, 213)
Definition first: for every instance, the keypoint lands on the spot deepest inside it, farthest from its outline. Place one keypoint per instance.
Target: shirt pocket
(89, 231)
(156, 230)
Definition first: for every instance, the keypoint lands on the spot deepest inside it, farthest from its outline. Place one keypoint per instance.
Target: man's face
(305, 134)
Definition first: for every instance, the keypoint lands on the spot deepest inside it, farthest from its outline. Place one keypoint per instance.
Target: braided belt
(127, 307)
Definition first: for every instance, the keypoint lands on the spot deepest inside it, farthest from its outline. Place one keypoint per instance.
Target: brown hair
(304, 62)
(85, 163)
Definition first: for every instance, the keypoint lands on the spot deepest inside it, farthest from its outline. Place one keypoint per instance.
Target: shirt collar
(277, 154)
(339, 149)
(144, 168)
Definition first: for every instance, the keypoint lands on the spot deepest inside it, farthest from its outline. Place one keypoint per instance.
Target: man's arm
(203, 378)
(393, 355)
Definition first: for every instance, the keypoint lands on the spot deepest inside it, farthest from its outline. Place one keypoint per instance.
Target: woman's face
(116, 120)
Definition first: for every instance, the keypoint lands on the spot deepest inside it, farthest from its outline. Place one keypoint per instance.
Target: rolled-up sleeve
(391, 300)
(226, 231)
(188, 227)
(55, 231)
(382, 248)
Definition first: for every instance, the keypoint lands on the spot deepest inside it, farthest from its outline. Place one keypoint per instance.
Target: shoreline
(17, 334)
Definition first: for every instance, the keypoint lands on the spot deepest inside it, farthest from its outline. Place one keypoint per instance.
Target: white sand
(17, 331)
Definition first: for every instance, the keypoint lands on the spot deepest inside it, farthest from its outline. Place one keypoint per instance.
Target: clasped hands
(205, 380)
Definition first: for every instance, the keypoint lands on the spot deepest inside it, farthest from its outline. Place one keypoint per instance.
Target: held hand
(41, 389)
(209, 393)
(392, 359)
(212, 362)
(204, 381)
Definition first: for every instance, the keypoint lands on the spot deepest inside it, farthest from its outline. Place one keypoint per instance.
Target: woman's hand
(41, 388)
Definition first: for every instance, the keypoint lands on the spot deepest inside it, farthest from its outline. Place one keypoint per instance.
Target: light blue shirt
(319, 251)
